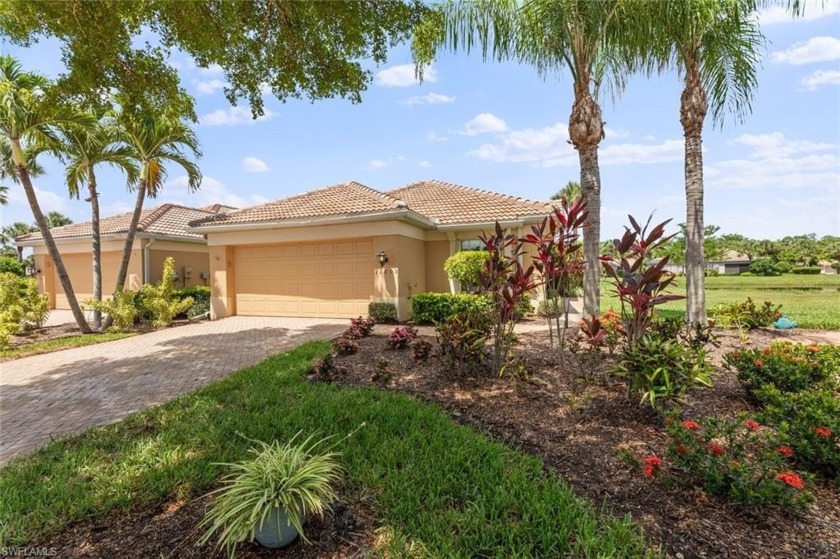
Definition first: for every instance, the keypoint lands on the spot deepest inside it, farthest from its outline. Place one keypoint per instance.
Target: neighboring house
(161, 232)
(732, 263)
(317, 254)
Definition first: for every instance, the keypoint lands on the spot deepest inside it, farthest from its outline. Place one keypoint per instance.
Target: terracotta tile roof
(341, 199)
(218, 208)
(449, 203)
(167, 220)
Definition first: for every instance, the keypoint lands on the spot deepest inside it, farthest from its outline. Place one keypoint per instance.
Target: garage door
(79, 268)
(323, 279)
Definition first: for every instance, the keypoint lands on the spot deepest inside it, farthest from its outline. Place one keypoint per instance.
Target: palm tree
(27, 121)
(57, 219)
(13, 231)
(8, 169)
(85, 150)
(575, 36)
(4, 195)
(716, 47)
(154, 142)
(571, 193)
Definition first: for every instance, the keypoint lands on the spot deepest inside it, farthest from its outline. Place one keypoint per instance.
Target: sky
(502, 127)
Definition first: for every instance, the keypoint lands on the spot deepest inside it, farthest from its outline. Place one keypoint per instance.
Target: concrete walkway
(64, 392)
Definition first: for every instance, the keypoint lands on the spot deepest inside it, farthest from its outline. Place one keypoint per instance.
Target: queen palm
(13, 231)
(571, 193)
(26, 121)
(84, 151)
(574, 36)
(153, 143)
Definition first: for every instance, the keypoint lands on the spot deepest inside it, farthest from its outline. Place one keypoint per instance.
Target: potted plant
(268, 497)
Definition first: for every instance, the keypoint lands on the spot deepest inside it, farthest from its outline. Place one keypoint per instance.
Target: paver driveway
(59, 393)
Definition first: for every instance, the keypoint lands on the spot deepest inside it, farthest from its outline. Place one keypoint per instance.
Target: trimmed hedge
(383, 312)
(431, 308)
(201, 299)
(807, 270)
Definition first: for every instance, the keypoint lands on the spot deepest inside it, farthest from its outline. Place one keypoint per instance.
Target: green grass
(441, 490)
(47, 346)
(812, 301)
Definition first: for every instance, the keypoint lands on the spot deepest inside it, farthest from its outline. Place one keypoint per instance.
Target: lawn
(443, 490)
(812, 301)
(56, 344)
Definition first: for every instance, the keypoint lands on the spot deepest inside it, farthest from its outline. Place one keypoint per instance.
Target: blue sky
(501, 127)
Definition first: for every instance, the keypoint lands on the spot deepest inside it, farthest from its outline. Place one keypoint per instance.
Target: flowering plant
(401, 336)
(345, 345)
(363, 325)
(790, 367)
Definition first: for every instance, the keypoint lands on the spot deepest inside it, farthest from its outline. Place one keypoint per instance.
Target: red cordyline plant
(639, 283)
(557, 243)
(506, 281)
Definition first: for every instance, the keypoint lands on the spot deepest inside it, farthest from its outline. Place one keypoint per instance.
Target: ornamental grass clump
(291, 476)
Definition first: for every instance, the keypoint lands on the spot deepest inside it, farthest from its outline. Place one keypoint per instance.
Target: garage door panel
(327, 279)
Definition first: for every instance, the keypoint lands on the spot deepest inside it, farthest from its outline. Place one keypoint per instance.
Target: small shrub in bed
(353, 332)
(432, 308)
(363, 325)
(422, 350)
(401, 336)
(788, 366)
(462, 341)
(345, 345)
(383, 373)
(747, 315)
(327, 370)
(383, 313)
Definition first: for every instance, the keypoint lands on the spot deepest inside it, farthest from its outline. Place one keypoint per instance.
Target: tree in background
(571, 193)
(29, 120)
(12, 232)
(675, 249)
(57, 219)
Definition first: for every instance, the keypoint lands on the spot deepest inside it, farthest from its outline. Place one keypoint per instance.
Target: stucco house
(162, 232)
(332, 251)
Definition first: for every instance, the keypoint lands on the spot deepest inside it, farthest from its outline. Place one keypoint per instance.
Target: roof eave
(406, 215)
(518, 222)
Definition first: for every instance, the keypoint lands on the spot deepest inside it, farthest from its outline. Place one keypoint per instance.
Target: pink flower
(690, 425)
(717, 449)
(751, 424)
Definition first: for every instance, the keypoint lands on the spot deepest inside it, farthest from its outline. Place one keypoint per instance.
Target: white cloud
(403, 75)
(211, 191)
(47, 199)
(484, 123)
(813, 10)
(813, 81)
(208, 87)
(434, 137)
(428, 99)
(776, 144)
(254, 165)
(425, 164)
(382, 163)
(815, 49)
(233, 116)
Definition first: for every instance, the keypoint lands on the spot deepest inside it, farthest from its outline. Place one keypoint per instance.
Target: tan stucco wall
(436, 254)
(198, 259)
(222, 299)
(80, 269)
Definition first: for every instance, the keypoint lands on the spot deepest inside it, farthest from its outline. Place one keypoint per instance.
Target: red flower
(682, 450)
(735, 464)
(777, 316)
(651, 465)
(690, 425)
(785, 450)
(717, 449)
(792, 479)
(758, 363)
(767, 351)
(813, 348)
(751, 424)
(823, 432)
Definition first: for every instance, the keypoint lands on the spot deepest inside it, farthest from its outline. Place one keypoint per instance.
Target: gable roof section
(451, 204)
(348, 198)
(166, 220)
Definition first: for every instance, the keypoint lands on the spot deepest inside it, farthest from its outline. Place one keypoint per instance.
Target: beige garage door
(323, 279)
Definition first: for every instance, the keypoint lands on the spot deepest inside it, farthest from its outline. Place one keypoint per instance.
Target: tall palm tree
(154, 143)
(13, 231)
(84, 151)
(571, 193)
(715, 46)
(4, 195)
(574, 36)
(8, 169)
(26, 121)
(57, 219)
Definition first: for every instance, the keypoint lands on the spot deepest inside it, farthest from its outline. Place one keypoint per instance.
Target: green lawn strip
(47, 346)
(786, 281)
(440, 488)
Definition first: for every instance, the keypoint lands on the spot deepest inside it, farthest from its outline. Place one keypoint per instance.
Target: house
(330, 252)
(162, 232)
(732, 263)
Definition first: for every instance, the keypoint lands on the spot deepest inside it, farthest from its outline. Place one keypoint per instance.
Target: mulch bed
(579, 419)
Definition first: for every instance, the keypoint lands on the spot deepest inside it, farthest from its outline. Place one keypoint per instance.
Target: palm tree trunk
(41, 221)
(129, 243)
(20, 253)
(97, 249)
(693, 107)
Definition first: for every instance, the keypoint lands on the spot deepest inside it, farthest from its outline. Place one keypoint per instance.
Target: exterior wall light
(32, 271)
(382, 258)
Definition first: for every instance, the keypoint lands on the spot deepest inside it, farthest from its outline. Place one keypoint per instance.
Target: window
(472, 244)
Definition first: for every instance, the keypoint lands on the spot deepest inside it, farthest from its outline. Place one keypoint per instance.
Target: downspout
(146, 265)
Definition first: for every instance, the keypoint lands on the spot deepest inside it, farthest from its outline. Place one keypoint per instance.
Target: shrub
(383, 313)
(550, 308)
(462, 339)
(766, 267)
(747, 315)
(121, 308)
(200, 295)
(789, 367)
(159, 301)
(737, 459)
(11, 265)
(662, 370)
(382, 374)
(345, 345)
(712, 273)
(466, 266)
(327, 370)
(422, 350)
(806, 270)
(21, 305)
(431, 308)
(523, 307)
(363, 325)
(401, 336)
(353, 332)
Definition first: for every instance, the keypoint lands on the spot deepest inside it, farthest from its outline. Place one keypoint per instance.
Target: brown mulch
(27, 337)
(579, 419)
(171, 530)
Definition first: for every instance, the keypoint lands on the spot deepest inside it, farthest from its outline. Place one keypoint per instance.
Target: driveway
(65, 392)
